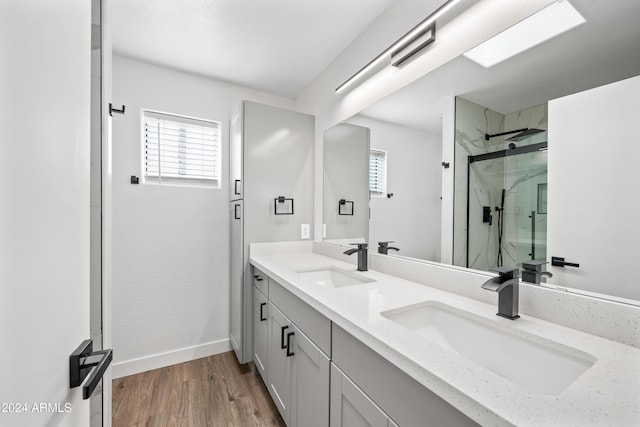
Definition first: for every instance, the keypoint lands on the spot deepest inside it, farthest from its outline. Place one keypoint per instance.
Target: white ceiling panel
(279, 46)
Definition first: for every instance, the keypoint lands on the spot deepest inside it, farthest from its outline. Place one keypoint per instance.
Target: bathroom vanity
(371, 347)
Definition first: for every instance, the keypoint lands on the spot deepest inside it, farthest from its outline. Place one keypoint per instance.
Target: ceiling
(603, 50)
(278, 46)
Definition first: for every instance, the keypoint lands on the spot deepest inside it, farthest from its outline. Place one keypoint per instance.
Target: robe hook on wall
(115, 110)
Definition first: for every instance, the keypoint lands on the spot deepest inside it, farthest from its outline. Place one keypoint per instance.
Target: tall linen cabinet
(271, 196)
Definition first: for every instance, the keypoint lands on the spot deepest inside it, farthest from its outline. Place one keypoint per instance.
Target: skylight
(550, 22)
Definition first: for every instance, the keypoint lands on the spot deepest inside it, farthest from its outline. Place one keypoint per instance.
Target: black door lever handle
(84, 361)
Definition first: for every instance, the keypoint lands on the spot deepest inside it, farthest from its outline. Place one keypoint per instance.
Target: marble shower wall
(473, 121)
(518, 175)
(523, 174)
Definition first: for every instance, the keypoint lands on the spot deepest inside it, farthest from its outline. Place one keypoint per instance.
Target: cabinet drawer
(261, 281)
(404, 399)
(315, 325)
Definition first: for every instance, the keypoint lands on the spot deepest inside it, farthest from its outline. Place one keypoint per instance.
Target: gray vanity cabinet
(279, 363)
(350, 406)
(298, 373)
(401, 396)
(260, 332)
(309, 383)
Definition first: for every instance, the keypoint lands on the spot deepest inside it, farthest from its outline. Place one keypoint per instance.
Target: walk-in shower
(506, 204)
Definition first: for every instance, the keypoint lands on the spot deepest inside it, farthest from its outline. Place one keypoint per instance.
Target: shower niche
(500, 186)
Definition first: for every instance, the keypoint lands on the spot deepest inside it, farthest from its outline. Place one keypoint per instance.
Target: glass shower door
(507, 206)
(525, 223)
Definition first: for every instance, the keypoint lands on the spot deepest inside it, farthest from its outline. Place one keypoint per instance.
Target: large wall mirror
(345, 201)
(544, 158)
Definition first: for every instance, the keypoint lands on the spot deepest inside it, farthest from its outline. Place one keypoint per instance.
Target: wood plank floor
(209, 392)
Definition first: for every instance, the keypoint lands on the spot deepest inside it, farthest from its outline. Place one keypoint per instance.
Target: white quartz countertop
(607, 394)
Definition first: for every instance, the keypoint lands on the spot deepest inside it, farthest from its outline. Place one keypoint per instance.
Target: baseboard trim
(161, 360)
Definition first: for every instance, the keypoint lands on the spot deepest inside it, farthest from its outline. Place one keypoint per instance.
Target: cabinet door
(350, 407)
(309, 383)
(235, 156)
(260, 332)
(237, 279)
(279, 365)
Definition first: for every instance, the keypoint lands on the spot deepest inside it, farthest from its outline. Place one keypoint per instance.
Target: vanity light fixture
(403, 49)
(550, 22)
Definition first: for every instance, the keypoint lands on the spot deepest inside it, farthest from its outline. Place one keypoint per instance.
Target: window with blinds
(180, 150)
(377, 172)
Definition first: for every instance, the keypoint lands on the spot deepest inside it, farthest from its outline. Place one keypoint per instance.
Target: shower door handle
(557, 261)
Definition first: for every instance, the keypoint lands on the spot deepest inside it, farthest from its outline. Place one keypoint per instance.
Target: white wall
(346, 176)
(457, 33)
(170, 244)
(411, 218)
(593, 200)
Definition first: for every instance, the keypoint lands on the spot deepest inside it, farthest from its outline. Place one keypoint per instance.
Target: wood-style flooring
(209, 392)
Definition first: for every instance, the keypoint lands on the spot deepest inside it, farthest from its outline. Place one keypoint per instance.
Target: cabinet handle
(282, 346)
(262, 318)
(258, 278)
(235, 211)
(235, 186)
(289, 352)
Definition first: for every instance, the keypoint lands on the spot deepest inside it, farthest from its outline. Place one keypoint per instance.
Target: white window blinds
(377, 172)
(180, 149)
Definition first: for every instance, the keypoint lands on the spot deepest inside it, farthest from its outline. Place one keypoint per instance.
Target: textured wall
(170, 244)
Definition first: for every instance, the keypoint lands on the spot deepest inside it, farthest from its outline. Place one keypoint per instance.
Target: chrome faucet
(532, 271)
(507, 287)
(362, 255)
(384, 248)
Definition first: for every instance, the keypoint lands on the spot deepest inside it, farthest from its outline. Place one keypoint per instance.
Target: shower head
(525, 134)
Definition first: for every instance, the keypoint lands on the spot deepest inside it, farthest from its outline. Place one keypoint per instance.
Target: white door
(309, 383)
(44, 208)
(593, 200)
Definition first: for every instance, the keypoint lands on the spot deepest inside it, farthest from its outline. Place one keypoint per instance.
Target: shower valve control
(486, 215)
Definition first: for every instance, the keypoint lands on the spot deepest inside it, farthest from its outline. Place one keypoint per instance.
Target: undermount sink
(536, 364)
(332, 277)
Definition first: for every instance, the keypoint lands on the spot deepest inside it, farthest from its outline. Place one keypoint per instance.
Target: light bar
(425, 26)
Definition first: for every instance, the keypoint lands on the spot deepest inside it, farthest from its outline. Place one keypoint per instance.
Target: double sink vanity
(374, 348)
